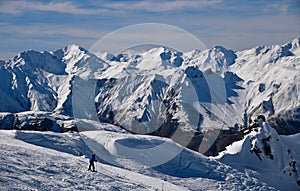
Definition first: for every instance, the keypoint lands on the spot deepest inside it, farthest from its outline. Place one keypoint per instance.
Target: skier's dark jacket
(92, 158)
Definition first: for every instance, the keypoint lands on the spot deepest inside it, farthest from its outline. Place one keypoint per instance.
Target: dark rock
(7, 121)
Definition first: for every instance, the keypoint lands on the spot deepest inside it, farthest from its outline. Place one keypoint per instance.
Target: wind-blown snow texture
(158, 92)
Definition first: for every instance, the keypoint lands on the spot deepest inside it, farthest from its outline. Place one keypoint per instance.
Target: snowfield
(33, 160)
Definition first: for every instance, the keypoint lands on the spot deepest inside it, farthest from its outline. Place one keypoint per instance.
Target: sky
(49, 25)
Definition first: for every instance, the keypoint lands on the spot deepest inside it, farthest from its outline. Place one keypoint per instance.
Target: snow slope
(42, 81)
(275, 158)
(54, 161)
(271, 77)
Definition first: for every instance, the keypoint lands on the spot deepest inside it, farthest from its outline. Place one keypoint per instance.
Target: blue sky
(234, 24)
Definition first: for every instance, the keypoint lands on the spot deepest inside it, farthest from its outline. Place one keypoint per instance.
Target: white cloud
(17, 7)
(162, 6)
(46, 30)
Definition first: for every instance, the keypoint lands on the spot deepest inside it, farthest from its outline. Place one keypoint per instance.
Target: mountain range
(232, 105)
(158, 91)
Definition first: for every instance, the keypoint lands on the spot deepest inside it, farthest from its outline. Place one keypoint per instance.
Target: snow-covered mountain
(160, 91)
(275, 157)
(243, 107)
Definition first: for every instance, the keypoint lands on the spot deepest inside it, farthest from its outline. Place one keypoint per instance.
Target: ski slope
(33, 160)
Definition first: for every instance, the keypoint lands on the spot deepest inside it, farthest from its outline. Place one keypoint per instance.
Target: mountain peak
(220, 48)
(218, 59)
(296, 44)
(73, 53)
(296, 40)
(293, 46)
(33, 60)
(73, 49)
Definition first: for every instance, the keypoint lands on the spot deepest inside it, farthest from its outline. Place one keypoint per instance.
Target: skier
(92, 160)
(17, 122)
